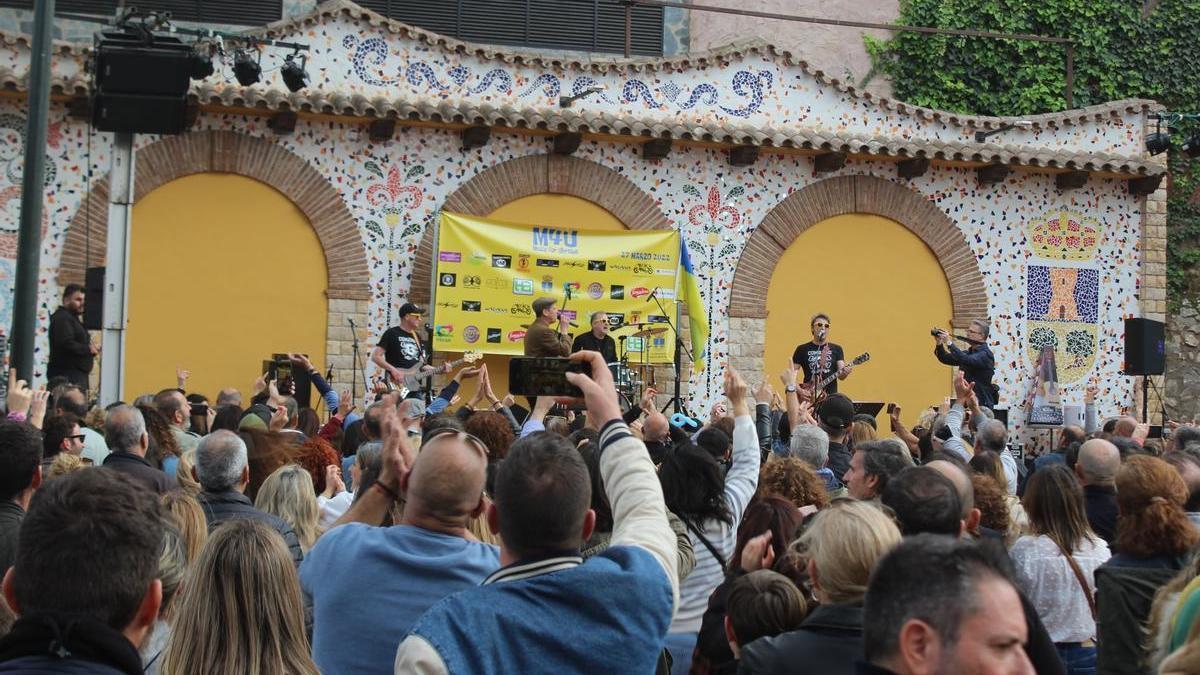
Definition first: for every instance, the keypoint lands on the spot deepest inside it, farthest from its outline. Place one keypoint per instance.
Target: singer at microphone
(540, 338)
(821, 358)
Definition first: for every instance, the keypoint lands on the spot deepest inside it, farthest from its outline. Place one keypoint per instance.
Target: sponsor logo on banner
(470, 335)
(555, 240)
(547, 262)
(448, 305)
(472, 281)
(522, 286)
(573, 263)
(569, 314)
(547, 283)
(597, 265)
(496, 310)
(516, 335)
(523, 262)
(656, 318)
(664, 272)
(502, 261)
(642, 268)
(595, 290)
(574, 286)
(471, 305)
(615, 319)
(659, 343)
(478, 258)
(444, 332)
(494, 335)
(496, 283)
(616, 292)
(447, 279)
(620, 267)
(666, 293)
(635, 316)
(450, 256)
(639, 292)
(521, 309)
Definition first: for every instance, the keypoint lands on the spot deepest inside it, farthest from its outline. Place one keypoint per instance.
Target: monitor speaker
(93, 302)
(1145, 351)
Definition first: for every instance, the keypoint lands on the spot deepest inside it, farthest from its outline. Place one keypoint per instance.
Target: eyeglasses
(447, 431)
(76, 437)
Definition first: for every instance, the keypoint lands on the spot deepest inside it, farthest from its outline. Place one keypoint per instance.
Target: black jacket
(70, 346)
(1123, 598)
(45, 643)
(141, 471)
(978, 366)
(11, 516)
(830, 642)
(229, 505)
(1100, 503)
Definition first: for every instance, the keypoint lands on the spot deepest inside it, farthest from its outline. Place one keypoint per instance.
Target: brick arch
(228, 152)
(857, 194)
(540, 174)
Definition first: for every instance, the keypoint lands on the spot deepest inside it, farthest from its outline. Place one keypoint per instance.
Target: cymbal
(649, 332)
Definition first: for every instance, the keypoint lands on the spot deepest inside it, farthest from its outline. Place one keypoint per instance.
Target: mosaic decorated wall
(1059, 267)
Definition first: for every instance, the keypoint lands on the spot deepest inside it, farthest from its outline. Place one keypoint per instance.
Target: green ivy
(1118, 55)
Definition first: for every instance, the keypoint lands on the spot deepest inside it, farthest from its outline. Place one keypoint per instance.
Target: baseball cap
(409, 308)
(837, 411)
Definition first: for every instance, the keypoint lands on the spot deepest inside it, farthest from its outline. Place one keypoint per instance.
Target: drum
(625, 379)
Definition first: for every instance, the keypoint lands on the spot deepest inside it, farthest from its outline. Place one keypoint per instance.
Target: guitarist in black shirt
(821, 358)
(401, 352)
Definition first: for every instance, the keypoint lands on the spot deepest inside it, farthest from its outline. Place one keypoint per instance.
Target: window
(218, 12)
(575, 25)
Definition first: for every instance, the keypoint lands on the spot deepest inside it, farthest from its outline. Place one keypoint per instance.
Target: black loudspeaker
(142, 82)
(93, 301)
(1145, 352)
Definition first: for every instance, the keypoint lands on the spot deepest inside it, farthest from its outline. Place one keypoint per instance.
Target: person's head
(991, 504)
(1125, 426)
(65, 463)
(557, 425)
(761, 604)
(1188, 466)
(228, 417)
(811, 444)
(293, 412)
(1071, 433)
(90, 545)
(20, 461)
(794, 480)
(955, 470)
(656, 429)
(861, 432)
(1184, 436)
(494, 430)
(172, 567)
(366, 466)
(60, 433)
(694, 486)
(221, 462)
(1150, 499)
(185, 514)
(843, 543)
(288, 493)
(1054, 503)
(308, 422)
(599, 323)
(979, 330)
(70, 398)
(987, 463)
(1098, 462)
(229, 396)
(835, 415)
(716, 442)
(873, 463)
(941, 605)
(244, 578)
(162, 440)
(442, 420)
(545, 309)
(542, 497)
(924, 501)
(991, 436)
(445, 486)
(820, 326)
(174, 406)
(125, 431)
(410, 317)
(774, 514)
(73, 298)
(371, 419)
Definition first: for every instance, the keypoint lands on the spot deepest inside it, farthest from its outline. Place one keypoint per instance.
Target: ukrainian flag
(689, 292)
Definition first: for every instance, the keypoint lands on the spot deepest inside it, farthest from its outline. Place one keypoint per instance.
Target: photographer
(977, 363)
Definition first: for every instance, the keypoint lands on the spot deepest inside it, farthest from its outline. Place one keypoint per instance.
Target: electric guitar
(413, 378)
(816, 389)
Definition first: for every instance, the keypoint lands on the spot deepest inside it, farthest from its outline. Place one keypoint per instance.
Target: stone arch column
(348, 286)
(833, 197)
(539, 174)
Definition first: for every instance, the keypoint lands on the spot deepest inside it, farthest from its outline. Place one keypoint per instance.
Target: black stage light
(245, 68)
(293, 73)
(202, 65)
(1191, 147)
(1158, 143)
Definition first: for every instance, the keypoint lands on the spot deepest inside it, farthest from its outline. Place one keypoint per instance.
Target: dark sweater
(1100, 502)
(141, 471)
(220, 507)
(70, 346)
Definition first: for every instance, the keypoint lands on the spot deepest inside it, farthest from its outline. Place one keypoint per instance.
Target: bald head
(962, 484)
(229, 396)
(1125, 426)
(1098, 462)
(655, 427)
(446, 483)
(992, 435)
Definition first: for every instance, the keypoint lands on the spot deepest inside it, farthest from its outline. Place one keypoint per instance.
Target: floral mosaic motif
(394, 199)
(1065, 236)
(1063, 310)
(370, 59)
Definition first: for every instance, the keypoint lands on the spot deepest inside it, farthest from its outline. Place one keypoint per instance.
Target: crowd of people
(177, 534)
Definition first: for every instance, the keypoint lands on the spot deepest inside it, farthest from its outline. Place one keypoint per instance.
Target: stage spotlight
(293, 73)
(1191, 147)
(201, 62)
(245, 68)
(1158, 143)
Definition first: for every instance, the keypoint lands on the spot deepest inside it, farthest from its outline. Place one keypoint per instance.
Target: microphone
(821, 334)
(329, 374)
(351, 322)
(652, 294)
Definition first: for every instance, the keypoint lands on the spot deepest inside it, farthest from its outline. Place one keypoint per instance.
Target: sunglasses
(462, 435)
(77, 437)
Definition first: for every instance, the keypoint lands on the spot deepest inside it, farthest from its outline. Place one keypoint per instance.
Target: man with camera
(540, 339)
(977, 363)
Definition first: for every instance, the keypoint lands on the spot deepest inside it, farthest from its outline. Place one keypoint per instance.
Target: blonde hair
(241, 611)
(288, 493)
(65, 463)
(172, 566)
(185, 514)
(183, 474)
(862, 432)
(478, 527)
(844, 542)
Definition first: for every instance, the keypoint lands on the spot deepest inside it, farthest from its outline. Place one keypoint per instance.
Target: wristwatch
(791, 388)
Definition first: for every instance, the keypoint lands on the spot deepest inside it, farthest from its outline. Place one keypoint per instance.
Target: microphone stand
(429, 351)
(678, 347)
(357, 361)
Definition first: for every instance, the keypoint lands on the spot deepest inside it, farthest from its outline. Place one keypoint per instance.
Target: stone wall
(1183, 363)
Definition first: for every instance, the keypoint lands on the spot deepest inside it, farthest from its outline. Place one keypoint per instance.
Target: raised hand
(962, 388)
(37, 409)
(788, 375)
(301, 361)
(648, 398)
(181, 376)
(279, 418)
(764, 393)
(757, 554)
(1090, 392)
(333, 481)
(19, 394)
(599, 393)
(736, 390)
(345, 404)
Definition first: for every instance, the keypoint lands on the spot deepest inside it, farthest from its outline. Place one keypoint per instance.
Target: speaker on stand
(1145, 354)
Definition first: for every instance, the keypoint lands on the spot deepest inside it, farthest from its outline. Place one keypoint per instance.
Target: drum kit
(632, 378)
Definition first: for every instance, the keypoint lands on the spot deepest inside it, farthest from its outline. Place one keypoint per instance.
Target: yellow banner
(490, 272)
